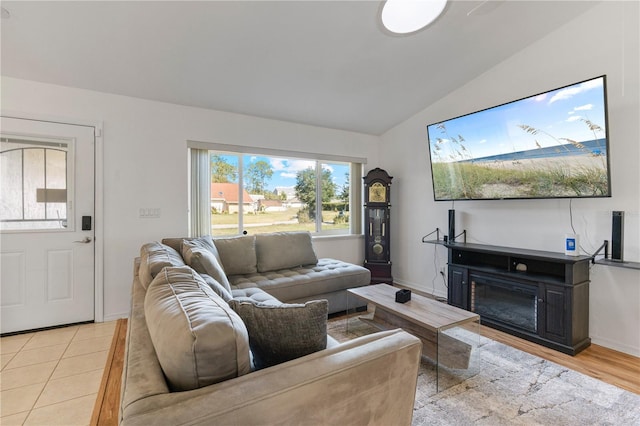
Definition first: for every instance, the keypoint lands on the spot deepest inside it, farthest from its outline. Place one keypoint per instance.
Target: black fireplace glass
(510, 303)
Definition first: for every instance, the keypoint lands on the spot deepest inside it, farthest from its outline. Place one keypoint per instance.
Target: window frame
(356, 168)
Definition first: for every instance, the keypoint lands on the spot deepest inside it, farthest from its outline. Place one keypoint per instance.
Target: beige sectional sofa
(196, 354)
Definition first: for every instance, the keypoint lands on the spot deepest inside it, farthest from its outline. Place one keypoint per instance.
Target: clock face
(377, 193)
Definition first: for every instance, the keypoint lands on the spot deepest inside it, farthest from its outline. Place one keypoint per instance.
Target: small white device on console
(571, 244)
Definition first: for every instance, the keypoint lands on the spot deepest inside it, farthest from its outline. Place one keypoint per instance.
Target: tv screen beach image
(550, 145)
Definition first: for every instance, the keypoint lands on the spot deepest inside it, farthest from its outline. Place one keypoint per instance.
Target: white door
(46, 224)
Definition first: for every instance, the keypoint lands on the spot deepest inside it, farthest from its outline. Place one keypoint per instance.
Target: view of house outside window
(258, 193)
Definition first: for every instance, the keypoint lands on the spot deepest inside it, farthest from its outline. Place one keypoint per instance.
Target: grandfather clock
(377, 257)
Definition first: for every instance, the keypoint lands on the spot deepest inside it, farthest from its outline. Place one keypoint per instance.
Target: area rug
(509, 387)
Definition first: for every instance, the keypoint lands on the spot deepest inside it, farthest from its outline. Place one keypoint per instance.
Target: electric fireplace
(509, 303)
(536, 295)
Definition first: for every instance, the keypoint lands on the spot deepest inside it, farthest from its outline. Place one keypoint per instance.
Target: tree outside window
(258, 193)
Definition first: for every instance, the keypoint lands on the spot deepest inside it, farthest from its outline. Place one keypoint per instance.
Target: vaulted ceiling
(324, 63)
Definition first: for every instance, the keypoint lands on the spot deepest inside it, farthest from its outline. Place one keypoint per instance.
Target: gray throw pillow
(283, 332)
(205, 242)
(201, 259)
(237, 254)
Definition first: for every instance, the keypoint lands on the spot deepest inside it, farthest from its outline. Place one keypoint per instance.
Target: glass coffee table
(449, 334)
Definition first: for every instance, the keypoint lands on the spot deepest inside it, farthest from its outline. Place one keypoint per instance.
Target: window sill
(337, 237)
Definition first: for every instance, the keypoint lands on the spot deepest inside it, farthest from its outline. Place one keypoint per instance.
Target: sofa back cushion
(217, 287)
(199, 340)
(153, 257)
(237, 254)
(201, 259)
(284, 250)
(205, 241)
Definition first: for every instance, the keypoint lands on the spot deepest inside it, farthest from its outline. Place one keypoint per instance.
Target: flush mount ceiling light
(409, 16)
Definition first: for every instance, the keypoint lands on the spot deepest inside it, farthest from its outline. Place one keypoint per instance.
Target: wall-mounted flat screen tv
(550, 145)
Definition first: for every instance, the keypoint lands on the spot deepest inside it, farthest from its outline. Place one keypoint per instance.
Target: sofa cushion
(204, 241)
(305, 282)
(217, 288)
(283, 332)
(282, 250)
(237, 254)
(199, 340)
(200, 258)
(254, 295)
(153, 257)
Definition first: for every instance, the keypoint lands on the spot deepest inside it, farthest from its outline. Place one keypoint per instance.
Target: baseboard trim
(115, 317)
(610, 344)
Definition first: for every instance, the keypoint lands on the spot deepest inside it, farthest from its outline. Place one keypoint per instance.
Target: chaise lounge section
(285, 265)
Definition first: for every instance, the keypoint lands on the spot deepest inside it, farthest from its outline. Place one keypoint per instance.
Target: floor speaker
(617, 235)
(452, 226)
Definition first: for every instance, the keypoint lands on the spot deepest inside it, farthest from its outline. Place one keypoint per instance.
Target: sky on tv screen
(558, 117)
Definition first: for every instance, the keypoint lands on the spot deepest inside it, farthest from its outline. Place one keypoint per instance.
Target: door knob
(86, 240)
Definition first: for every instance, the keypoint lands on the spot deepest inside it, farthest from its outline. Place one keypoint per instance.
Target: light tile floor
(52, 377)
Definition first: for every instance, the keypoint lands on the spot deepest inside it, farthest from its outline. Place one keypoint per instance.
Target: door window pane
(32, 179)
(55, 197)
(34, 176)
(11, 177)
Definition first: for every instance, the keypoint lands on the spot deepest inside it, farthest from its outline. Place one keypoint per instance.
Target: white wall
(605, 40)
(145, 165)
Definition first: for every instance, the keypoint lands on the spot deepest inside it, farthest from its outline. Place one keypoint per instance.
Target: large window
(271, 192)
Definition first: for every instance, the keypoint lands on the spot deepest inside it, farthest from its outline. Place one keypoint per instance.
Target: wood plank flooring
(610, 366)
(107, 407)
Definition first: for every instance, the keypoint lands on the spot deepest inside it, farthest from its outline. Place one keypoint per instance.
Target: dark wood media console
(537, 295)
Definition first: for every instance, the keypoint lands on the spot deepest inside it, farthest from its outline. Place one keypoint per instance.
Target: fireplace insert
(505, 302)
